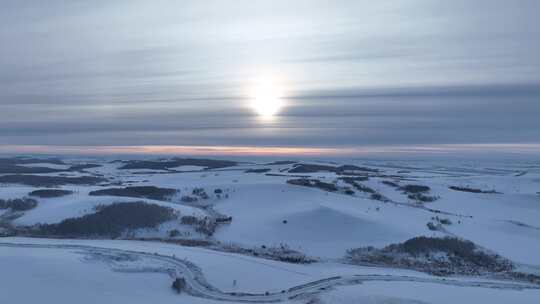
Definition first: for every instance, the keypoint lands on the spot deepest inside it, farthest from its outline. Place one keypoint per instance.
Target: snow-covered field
(498, 211)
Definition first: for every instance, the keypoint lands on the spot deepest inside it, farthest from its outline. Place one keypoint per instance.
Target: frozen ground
(268, 212)
(64, 271)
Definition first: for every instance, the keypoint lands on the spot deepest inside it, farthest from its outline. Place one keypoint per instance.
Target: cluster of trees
(439, 256)
(415, 189)
(188, 220)
(82, 167)
(345, 169)
(15, 169)
(472, 190)
(280, 252)
(374, 195)
(313, 183)
(148, 192)
(390, 183)
(261, 170)
(177, 162)
(50, 193)
(205, 225)
(15, 165)
(418, 193)
(462, 249)
(351, 179)
(18, 204)
(174, 233)
(200, 192)
(440, 222)
(49, 181)
(111, 220)
(422, 244)
(419, 197)
(362, 187)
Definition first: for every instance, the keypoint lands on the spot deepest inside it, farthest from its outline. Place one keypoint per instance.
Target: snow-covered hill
(249, 214)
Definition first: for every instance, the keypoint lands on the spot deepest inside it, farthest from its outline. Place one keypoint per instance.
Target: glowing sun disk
(266, 99)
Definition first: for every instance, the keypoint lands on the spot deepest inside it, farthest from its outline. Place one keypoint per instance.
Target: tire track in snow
(197, 285)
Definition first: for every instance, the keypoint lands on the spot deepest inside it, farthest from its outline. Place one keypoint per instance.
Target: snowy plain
(267, 211)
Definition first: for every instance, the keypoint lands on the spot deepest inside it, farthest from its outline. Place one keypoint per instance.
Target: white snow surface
(62, 276)
(268, 211)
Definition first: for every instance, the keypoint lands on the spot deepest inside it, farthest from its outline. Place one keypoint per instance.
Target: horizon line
(199, 150)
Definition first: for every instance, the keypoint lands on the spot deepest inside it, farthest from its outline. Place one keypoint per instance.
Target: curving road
(198, 286)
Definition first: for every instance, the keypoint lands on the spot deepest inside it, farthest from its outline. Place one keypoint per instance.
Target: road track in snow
(196, 284)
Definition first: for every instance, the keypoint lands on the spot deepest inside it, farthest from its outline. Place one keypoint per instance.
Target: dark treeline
(148, 192)
(50, 193)
(18, 204)
(345, 169)
(177, 162)
(111, 220)
(313, 183)
(49, 181)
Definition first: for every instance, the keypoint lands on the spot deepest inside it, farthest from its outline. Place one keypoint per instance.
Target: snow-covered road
(197, 285)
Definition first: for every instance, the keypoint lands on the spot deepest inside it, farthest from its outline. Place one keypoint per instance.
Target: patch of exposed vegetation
(350, 179)
(343, 170)
(206, 226)
(31, 160)
(443, 221)
(15, 165)
(363, 188)
(413, 189)
(418, 193)
(313, 183)
(177, 162)
(262, 170)
(437, 256)
(111, 220)
(200, 192)
(50, 193)
(433, 227)
(49, 181)
(282, 162)
(378, 197)
(18, 204)
(82, 167)
(472, 190)
(287, 175)
(279, 253)
(14, 169)
(148, 192)
(438, 223)
(373, 194)
(391, 184)
(422, 198)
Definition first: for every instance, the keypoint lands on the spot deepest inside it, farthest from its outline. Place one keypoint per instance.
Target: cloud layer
(355, 73)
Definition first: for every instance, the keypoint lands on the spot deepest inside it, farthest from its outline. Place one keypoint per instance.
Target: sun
(266, 98)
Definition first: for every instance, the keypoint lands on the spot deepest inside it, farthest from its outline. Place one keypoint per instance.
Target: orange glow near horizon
(531, 148)
(180, 150)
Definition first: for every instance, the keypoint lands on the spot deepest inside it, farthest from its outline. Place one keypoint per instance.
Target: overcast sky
(351, 73)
